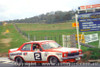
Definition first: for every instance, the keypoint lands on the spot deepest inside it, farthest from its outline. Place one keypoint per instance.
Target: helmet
(37, 46)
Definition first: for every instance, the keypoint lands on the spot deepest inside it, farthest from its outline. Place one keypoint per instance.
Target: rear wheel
(53, 60)
(19, 61)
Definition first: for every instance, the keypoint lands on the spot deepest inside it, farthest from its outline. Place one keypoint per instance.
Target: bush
(84, 57)
(95, 53)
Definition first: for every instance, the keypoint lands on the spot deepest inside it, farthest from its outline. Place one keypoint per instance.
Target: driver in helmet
(37, 48)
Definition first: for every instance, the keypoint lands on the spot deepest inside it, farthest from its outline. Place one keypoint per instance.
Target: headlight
(80, 52)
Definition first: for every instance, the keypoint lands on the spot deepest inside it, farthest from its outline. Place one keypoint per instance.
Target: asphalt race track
(5, 62)
(12, 65)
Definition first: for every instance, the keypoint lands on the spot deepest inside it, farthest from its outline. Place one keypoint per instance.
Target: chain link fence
(35, 37)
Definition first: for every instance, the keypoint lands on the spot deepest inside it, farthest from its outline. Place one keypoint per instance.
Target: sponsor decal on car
(13, 54)
(24, 53)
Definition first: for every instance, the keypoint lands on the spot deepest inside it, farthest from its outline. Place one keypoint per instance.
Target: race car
(44, 51)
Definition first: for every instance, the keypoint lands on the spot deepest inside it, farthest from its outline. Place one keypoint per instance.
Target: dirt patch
(6, 41)
(82, 61)
(3, 33)
(88, 53)
(85, 60)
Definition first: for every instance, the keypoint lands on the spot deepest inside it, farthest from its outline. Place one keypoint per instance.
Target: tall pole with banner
(77, 28)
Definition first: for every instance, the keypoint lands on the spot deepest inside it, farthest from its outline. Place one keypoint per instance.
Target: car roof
(40, 41)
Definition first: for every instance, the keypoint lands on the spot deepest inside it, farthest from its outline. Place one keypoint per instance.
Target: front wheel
(19, 61)
(53, 60)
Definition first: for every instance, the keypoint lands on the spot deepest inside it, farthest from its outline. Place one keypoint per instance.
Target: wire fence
(35, 37)
(40, 35)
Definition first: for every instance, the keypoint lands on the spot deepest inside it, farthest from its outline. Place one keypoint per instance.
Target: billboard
(89, 22)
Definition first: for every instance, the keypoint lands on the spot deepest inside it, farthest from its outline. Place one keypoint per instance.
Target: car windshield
(50, 45)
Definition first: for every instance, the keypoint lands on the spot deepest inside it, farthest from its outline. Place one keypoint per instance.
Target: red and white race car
(44, 51)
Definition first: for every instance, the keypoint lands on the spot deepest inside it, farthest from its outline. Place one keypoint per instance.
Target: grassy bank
(13, 39)
(9, 40)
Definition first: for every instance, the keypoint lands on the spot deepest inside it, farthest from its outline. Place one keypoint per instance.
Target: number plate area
(78, 58)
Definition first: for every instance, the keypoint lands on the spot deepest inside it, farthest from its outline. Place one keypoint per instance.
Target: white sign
(91, 38)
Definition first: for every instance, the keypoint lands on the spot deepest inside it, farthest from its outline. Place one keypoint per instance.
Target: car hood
(63, 49)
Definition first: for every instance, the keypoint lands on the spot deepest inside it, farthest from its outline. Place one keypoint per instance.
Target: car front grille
(73, 54)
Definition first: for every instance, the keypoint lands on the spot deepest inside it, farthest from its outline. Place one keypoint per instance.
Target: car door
(40, 56)
(36, 54)
(27, 53)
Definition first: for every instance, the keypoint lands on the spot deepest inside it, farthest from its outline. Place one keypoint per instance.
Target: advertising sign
(74, 24)
(91, 38)
(89, 22)
(89, 6)
(81, 38)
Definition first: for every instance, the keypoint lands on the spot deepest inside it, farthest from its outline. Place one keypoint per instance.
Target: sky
(20, 9)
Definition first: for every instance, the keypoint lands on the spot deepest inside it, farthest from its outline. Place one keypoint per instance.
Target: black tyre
(19, 61)
(53, 60)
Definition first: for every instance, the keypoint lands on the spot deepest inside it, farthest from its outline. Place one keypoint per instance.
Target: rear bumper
(72, 57)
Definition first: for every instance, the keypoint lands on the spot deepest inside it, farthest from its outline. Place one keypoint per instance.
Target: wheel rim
(19, 61)
(53, 60)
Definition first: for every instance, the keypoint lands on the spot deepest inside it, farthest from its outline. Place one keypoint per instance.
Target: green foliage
(94, 49)
(51, 17)
(84, 57)
(94, 57)
(95, 53)
(91, 53)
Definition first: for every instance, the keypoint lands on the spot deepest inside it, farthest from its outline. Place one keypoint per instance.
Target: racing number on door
(37, 56)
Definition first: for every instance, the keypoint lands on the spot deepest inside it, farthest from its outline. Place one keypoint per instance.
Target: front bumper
(72, 57)
(10, 59)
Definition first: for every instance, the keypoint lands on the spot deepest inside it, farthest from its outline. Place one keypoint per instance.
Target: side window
(26, 47)
(34, 46)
